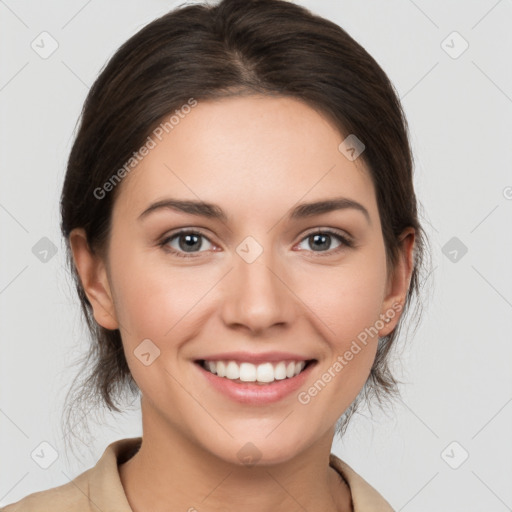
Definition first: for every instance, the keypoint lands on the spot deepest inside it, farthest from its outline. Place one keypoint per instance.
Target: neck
(170, 472)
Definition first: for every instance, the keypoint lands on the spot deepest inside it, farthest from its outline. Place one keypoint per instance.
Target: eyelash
(345, 241)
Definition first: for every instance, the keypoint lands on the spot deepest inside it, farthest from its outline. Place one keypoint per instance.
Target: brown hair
(270, 47)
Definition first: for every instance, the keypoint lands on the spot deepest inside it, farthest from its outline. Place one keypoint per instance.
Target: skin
(256, 157)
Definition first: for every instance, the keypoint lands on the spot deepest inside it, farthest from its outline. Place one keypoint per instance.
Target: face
(268, 281)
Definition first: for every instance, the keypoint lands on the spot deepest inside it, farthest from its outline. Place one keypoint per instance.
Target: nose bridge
(257, 296)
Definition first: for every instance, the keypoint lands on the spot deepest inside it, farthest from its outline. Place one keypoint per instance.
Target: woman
(242, 228)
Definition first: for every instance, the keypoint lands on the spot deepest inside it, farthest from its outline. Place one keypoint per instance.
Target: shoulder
(365, 498)
(98, 488)
(64, 498)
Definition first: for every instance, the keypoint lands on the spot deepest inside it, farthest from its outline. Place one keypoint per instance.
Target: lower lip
(256, 394)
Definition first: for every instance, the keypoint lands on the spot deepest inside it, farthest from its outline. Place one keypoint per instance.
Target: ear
(93, 276)
(398, 282)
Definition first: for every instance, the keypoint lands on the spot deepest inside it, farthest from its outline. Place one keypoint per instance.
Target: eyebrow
(213, 211)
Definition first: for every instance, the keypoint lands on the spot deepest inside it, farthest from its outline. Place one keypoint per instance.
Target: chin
(259, 450)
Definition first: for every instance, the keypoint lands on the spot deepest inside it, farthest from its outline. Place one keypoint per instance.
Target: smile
(248, 372)
(256, 384)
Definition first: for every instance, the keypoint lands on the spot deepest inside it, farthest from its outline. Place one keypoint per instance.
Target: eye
(190, 241)
(321, 239)
(187, 243)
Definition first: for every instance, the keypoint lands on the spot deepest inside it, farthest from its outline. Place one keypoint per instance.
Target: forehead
(253, 154)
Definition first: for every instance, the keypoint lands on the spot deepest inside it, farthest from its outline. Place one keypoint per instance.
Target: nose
(257, 296)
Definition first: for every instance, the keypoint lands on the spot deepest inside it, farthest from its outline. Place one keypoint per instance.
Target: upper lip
(252, 357)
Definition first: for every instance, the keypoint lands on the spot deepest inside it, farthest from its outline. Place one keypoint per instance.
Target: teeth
(248, 372)
(232, 371)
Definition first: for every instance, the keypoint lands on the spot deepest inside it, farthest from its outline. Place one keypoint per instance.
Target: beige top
(100, 489)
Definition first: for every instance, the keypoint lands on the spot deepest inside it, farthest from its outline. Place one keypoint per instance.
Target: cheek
(347, 300)
(154, 303)
(153, 299)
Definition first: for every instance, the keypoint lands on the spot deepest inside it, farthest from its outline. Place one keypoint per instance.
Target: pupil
(323, 245)
(189, 244)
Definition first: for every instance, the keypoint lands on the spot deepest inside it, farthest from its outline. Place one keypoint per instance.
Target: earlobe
(399, 282)
(93, 276)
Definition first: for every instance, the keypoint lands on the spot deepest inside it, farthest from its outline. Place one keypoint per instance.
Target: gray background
(457, 367)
